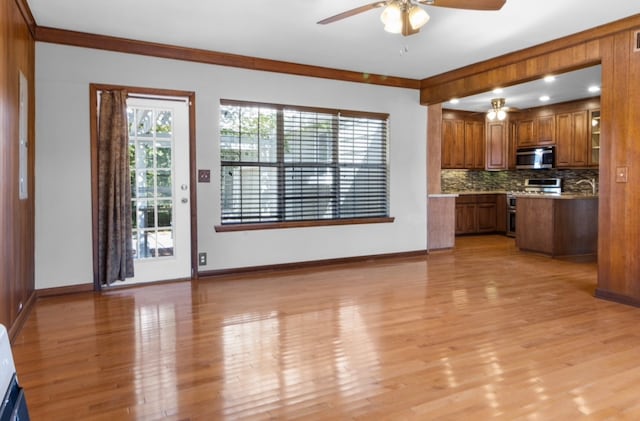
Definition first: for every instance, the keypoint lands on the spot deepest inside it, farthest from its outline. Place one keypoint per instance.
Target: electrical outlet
(622, 174)
(202, 259)
(204, 176)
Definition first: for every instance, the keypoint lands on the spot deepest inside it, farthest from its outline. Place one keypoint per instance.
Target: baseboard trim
(118, 286)
(16, 326)
(307, 264)
(615, 297)
(72, 289)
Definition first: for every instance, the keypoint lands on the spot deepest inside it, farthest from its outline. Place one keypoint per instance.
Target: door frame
(151, 93)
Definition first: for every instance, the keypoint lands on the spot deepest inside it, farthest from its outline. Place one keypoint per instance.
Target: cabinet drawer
(466, 198)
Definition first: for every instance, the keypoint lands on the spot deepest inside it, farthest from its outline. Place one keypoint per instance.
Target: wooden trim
(93, 140)
(29, 20)
(301, 224)
(94, 88)
(310, 263)
(558, 56)
(17, 324)
(71, 289)
(123, 45)
(616, 298)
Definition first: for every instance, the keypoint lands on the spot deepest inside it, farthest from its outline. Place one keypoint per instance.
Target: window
(284, 163)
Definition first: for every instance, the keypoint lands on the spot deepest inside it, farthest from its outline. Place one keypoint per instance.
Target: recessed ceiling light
(549, 78)
(454, 100)
(544, 98)
(594, 88)
(498, 91)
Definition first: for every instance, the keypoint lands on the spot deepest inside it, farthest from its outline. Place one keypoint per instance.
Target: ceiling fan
(406, 17)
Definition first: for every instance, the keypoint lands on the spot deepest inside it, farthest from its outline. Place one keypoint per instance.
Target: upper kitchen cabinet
(452, 143)
(535, 130)
(497, 145)
(594, 128)
(462, 140)
(572, 149)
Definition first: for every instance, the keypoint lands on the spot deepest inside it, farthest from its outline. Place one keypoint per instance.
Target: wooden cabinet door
(581, 141)
(511, 146)
(469, 145)
(452, 143)
(474, 145)
(486, 217)
(478, 145)
(546, 130)
(525, 132)
(572, 140)
(465, 218)
(564, 142)
(497, 145)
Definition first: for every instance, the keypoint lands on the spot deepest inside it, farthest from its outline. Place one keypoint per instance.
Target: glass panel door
(159, 163)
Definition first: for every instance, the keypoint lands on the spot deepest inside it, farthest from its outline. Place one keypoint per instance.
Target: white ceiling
(286, 29)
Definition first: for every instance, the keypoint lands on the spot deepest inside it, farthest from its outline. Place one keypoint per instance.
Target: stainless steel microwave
(537, 158)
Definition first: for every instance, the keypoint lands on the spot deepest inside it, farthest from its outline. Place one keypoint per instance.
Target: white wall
(63, 177)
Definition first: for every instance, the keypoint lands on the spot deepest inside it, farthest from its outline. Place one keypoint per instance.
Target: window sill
(300, 224)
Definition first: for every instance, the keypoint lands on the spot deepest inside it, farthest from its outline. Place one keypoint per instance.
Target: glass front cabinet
(594, 156)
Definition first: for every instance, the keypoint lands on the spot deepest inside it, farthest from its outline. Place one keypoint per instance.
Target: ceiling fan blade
(466, 4)
(353, 12)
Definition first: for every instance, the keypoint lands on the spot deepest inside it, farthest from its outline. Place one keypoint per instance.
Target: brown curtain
(115, 256)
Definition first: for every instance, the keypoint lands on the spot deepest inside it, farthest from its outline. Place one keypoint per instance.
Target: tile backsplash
(471, 180)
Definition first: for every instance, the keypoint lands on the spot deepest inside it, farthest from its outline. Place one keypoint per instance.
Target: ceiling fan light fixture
(393, 27)
(497, 109)
(391, 14)
(417, 17)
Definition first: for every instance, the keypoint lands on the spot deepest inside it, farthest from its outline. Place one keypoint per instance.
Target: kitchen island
(563, 225)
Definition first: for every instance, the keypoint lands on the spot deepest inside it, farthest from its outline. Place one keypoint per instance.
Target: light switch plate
(621, 174)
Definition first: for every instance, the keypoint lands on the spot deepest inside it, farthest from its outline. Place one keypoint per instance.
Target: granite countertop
(443, 195)
(466, 192)
(564, 195)
(558, 196)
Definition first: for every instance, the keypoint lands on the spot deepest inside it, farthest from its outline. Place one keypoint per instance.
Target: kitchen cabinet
(462, 141)
(594, 134)
(452, 143)
(474, 145)
(536, 131)
(497, 145)
(559, 226)
(476, 213)
(573, 144)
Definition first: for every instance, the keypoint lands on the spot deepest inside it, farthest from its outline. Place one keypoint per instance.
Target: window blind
(285, 163)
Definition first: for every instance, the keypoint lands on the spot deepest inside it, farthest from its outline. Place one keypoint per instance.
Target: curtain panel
(115, 254)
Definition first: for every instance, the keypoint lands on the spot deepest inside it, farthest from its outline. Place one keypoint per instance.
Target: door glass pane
(151, 146)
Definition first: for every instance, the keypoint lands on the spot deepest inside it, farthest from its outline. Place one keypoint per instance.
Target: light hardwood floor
(480, 332)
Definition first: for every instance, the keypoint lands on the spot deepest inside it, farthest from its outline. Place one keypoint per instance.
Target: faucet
(591, 182)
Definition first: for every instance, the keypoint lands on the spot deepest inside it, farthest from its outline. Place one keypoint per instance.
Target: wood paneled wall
(17, 49)
(619, 222)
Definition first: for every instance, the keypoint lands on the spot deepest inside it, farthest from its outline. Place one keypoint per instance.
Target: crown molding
(123, 45)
